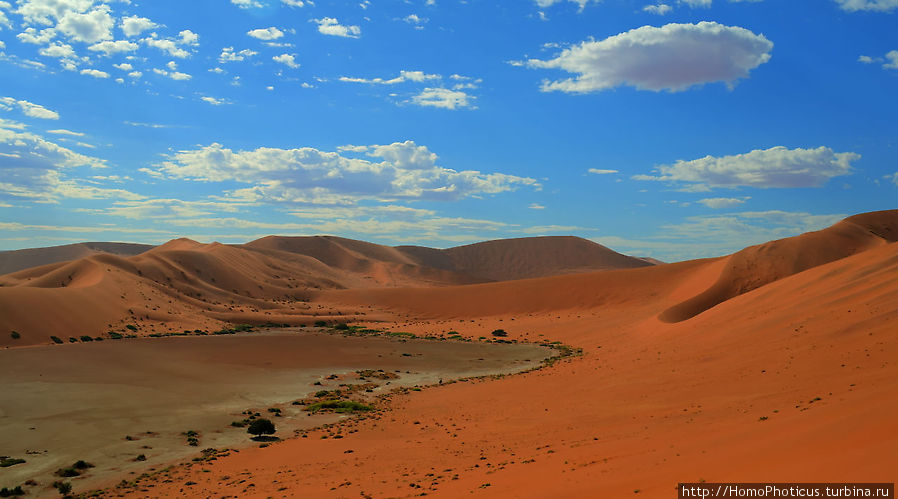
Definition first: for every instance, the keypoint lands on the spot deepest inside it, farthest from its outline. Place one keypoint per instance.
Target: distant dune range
(776, 363)
(187, 285)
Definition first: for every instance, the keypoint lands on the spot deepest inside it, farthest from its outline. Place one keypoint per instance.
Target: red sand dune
(776, 363)
(13, 261)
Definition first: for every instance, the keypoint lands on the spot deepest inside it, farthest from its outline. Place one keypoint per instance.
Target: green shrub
(82, 465)
(85, 338)
(15, 335)
(56, 339)
(114, 335)
(340, 406)
(73, 340)
(320, 324)
(67, 472)
(4, 492)
(132, 327)
(341, 326)
(64, 488)
(6, 462)
(500, 333)
(261, 427)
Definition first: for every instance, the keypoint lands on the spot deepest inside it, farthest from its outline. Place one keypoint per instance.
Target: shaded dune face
(759, 265)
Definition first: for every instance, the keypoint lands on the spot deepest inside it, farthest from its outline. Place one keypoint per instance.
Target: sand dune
(776, 363)
(791, 381)
(13, 261)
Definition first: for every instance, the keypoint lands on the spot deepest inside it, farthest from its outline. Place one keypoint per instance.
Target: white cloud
(29, 108)
(288, 60)
(415, 19)
(598, 171)
(548, 3)
(90, 27)
(536, 206)
(47, 11)
(135, 74)
(892, 57)
(66, 132)
(96, 73)
(35, 37)
(404, 76)
(229, 55)
(135, 25)
(58, 50)
(875, 5)
(248, 4)
(174, 75)
(213, 100)
(330, 26)
(720, 203)
(443, 98)
(188, 37)
(660, 9)
(166, 45)
(271, 33)
(866, 59)
(401, 170)
(113, 47)
(777, 167)
(33, 168)
(673, 57)
(293, 3)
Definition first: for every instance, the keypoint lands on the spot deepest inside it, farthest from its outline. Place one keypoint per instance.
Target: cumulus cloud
(135, 25)
(548, 3)
(443, 98)
(248, 4)
(874, 5)
(109, 48)
(168, 46)
(288, 60)
(33, 168)
(330, 26)
(720, 203)
(673, 57)
(293, 3)
(29, 108)
(404, 76)
(598, 171)
(659, 9)
(213, 101)
(402, 170)
(892, 58)
(228, 54)
(777, 167)
(271, 33)
(96, 73)
(89, 27)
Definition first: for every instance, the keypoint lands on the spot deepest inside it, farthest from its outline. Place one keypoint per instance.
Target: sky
(677, 130)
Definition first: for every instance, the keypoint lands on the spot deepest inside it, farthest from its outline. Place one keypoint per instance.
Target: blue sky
(677, 129)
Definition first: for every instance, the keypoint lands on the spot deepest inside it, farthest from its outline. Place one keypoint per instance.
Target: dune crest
(759, 265)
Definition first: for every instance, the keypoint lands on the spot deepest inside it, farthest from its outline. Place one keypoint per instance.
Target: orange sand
(681, 364)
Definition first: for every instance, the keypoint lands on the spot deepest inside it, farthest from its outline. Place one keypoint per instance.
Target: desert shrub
(114, 335)
(341, 326)
(500, 333)
(261, 427)
(15, 492)
(339, 406)
(73, 340)
(56, 339)
(132, 327)
(243, 327)
(320, 324)
(85, 338)
(6, 462)
(15, 335)
(274, 410)
(82, 465)
(64, 488)
(140, 457)
(67, 472)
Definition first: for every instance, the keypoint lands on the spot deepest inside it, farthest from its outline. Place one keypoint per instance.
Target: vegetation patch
(6, 462)
(339, 406)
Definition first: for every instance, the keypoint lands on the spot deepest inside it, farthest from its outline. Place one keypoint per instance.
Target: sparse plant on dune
(261, 427)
